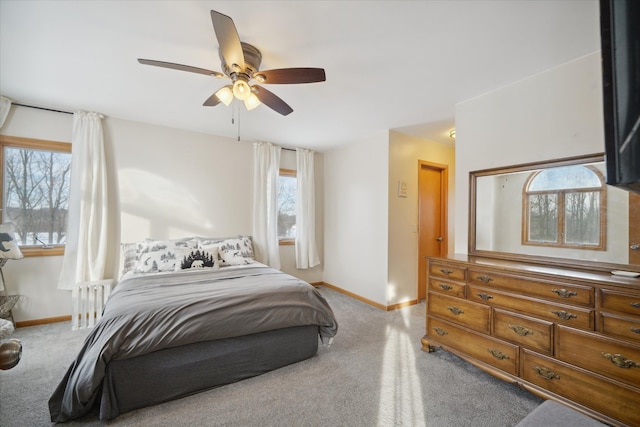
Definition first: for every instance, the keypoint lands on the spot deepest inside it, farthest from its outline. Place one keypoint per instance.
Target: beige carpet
(374, 374)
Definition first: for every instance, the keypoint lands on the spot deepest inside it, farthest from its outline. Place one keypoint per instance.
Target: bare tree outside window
(287, 185)
(36, 194)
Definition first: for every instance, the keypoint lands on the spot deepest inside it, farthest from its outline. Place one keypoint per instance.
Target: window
(564, 207)
(287, 186)
(35, 192)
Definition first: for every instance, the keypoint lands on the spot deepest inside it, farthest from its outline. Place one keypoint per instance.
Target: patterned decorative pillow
(198, 258)
(160, 255)
(233, 251)
(8, 244)
(243, 244)
(129, 256)
(233, 257)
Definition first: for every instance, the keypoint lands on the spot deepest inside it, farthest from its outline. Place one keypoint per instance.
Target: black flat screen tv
(620, 43)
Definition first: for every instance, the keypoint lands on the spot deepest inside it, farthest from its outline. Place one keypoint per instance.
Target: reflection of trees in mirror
(564, 207)
(36, 188)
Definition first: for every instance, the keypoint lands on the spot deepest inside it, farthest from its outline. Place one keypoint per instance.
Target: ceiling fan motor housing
(252, 61)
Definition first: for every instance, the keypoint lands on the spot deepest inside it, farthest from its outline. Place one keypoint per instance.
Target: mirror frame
(536, 259)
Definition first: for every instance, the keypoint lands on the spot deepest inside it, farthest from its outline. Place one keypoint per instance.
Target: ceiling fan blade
(272, 101)
(291, 75)
(228, 39)
(212, 101)
(180, 67)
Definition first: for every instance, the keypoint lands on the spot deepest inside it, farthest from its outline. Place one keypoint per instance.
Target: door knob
(439, 239)
(635, 247)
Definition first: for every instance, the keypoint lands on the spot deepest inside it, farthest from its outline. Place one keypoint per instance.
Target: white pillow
(160, 255)
(233, 257)
(129, 253)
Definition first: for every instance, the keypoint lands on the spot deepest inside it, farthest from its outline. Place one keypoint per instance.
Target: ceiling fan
(241, 63)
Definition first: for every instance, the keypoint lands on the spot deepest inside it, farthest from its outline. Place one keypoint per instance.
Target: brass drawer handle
(440, 331)
(520, 330)
(546, 373)
(620, 361)
(445, 271)
(635, 330)
(485, 297)
(485, 279)
(635, 304)
(564, 315)
(455, 310)
(498, 354)
(564, 293)
(445, 287)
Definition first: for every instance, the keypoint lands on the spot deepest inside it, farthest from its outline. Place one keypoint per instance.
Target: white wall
(553, 114)
(404, 153)
(356, 217)
(166, 183)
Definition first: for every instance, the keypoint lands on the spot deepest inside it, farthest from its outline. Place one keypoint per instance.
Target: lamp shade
(251, 102)
(225, 95)
(241, 89)
(8, 245)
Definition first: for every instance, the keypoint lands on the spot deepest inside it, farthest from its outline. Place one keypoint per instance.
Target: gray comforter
(153, 312)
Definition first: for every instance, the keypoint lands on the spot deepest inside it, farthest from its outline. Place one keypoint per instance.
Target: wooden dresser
(567, 335)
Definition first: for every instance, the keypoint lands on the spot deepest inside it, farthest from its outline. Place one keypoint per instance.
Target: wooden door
(432, 218)
(634, 228)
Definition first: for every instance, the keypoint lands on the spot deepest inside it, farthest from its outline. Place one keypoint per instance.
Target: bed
(167, 334)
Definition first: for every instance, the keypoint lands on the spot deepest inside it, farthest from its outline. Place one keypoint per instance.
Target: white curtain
(5, 106)
(86, 244)
(306, 250)
(266, 169)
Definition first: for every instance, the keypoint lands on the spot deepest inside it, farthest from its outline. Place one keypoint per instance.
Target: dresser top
(598, 277)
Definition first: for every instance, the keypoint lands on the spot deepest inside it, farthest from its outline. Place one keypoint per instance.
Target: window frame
(290, 173)
(561, 198)
(33, 144)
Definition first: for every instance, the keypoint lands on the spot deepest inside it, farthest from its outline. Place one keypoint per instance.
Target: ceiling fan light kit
(241, 89)
(251, 102)
(241, 63)
(225, 94)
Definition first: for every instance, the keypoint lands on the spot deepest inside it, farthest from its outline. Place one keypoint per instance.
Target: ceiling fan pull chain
(237, 103)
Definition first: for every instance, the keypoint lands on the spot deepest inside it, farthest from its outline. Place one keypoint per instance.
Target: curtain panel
(86, 247)
(266, 169)
(306, 249)
(5, 106)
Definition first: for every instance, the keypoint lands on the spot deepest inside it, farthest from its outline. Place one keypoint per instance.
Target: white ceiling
(390, 64)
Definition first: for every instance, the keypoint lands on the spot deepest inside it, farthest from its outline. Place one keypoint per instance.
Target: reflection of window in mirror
(565, 207)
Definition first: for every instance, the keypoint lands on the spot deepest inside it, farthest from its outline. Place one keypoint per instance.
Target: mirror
(559, 213)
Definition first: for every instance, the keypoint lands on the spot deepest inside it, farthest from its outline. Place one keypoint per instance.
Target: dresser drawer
(494, 352)
(556, 291)
(578, 317)
(466, 313)
(610, 398)
(524, 330)
(448, 271)
(624, 327)
(448, 287)
(618, 301)
(597, 353)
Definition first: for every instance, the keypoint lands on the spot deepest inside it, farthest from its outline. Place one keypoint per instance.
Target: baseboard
(368, 301)
(44, 321)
